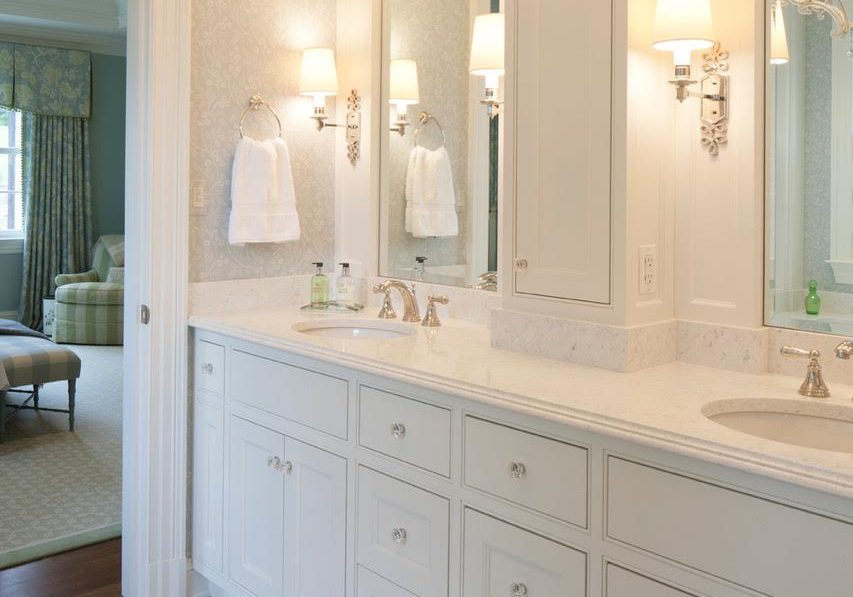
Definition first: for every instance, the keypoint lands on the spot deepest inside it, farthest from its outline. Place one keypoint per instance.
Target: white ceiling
(97, 25)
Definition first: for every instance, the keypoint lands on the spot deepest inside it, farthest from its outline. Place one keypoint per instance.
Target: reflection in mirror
(440, 150)
(809, 179)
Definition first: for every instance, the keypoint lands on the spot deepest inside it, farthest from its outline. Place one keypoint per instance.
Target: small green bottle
(319, 288)
(813, 299)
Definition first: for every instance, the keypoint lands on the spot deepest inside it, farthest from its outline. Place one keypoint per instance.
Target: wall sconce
(319, 79)
(682, 27)
(778, 37)
(404, 91)
(487, 57)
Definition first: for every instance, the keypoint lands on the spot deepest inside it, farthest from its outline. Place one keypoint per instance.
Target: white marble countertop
(660, 407)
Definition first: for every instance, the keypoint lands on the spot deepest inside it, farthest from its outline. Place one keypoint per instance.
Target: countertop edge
(743, 460)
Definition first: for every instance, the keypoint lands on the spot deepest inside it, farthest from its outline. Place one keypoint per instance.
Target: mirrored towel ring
(425, 118)
(256, 102)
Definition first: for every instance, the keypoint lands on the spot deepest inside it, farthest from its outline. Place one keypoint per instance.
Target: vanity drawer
(533, 471)
(405, 429)
(624, 583)
(403, 533)
(313, 399)
(759, 544)
(210, 367)
(373, 585)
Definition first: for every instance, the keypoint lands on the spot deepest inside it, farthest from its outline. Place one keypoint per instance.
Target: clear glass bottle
(345, 287)
(319, 288)
(813, 299)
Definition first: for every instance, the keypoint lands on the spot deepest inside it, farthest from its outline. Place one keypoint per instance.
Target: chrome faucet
(411, 312)
(844, 350)
(813, 386)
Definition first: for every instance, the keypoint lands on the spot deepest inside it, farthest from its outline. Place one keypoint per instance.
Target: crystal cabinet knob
(207, 368)
(287, 467)
(518, 589)
(517, 470)
(399, 536)
(274, 462)
(398, 430)
(521, 264)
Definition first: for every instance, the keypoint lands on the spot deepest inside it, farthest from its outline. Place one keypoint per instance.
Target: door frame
(155, 425)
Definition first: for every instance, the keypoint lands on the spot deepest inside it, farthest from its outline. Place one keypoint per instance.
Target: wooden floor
(93, 571)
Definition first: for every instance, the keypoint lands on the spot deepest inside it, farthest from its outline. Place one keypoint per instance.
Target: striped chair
(90, 306)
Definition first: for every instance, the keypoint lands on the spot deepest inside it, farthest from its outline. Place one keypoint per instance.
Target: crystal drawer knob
(521, 264)
(274, 462)
(518, 589)
(287, 467)
(398, 430)
(517, 470)
(398, 536)
(207, 368)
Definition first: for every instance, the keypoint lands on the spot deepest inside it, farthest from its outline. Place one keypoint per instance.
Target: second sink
(800, 423)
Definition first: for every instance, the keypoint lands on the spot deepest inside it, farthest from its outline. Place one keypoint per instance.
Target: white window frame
(12, 241)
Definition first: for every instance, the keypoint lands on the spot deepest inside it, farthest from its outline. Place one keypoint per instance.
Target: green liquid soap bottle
(319, 288)
(813, 299)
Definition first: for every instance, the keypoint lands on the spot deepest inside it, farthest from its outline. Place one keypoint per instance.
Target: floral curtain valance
(46, 81)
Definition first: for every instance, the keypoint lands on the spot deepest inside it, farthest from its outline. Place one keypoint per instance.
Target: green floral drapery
(52, 87)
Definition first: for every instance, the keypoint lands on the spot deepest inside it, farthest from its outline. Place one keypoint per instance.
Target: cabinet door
(501, 559)
(563, 139)
(373, 585)
(315, 506)
(624, 583)
(256, 508)
(208, 486)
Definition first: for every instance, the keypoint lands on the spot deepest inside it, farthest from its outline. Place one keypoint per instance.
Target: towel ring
(255, 103)
(426, 118)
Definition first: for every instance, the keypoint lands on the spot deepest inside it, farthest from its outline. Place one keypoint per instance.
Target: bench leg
(72, 390)
(36, 397)
(2, 415)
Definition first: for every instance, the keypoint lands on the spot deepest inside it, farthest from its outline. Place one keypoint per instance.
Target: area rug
(61, 490)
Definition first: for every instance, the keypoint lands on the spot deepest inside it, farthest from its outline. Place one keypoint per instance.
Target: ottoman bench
(30, 361)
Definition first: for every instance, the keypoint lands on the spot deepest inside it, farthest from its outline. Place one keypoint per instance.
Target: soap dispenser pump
(319, 287)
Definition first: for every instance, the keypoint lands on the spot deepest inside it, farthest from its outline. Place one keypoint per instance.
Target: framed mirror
(809, 171)
(440, 151)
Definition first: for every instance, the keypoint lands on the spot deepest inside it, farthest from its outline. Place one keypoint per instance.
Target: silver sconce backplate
(714, 95)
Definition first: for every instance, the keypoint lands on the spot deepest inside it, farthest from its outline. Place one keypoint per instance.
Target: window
(11, 175)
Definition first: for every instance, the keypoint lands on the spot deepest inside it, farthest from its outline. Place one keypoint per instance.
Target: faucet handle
(813, 386)
(431, 319)
(387, 310)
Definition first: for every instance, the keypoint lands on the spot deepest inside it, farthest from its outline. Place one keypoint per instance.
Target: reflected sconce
(683, 27)
(404, 91)
(778, 37)
(319, 80)
(487, 57)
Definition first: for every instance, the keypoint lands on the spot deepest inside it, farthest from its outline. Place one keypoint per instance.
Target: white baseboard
(197, 585)
(9, 315)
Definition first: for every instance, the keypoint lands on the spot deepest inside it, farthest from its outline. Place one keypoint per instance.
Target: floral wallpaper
(53, 81)
(416, 30)
(241, 48)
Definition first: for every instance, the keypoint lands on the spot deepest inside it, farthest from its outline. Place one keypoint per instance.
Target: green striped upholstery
(90, 306)
(25, 361)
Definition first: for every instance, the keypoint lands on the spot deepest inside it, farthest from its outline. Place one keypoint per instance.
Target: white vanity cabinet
(312, 479)
(560, 136)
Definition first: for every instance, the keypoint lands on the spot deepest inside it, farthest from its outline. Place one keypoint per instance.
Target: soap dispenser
(813, 299)
(319, 288)
(345, 287)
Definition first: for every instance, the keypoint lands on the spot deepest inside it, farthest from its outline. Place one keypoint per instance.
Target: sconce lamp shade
(778, 37)
(404, 83)
(487, 45)
(319, 76)
(682, 26)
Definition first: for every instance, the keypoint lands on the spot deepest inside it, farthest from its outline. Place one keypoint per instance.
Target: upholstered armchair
(90, 306)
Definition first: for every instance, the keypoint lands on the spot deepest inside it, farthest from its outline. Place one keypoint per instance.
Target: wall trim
(9, 315)
(99, 43)
(11, 246)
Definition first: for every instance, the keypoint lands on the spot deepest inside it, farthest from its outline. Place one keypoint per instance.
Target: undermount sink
(796, 422)
(355, 329)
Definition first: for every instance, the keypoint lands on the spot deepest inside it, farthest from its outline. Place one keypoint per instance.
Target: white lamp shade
(487, 45)
(682, 26)
(404, 83)
(319, 76)
(778, 37)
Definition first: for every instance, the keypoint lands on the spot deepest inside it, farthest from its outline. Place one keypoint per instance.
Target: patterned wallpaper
(417, 30)
(239, 48)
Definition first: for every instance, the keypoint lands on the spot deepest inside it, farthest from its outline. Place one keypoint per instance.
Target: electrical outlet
(648, 269)
(198, 203)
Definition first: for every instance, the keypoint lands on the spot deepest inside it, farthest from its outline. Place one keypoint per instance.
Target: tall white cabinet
(559, 148)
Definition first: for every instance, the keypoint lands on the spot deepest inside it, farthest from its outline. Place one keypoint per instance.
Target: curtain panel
(57, 195)
(47, 81)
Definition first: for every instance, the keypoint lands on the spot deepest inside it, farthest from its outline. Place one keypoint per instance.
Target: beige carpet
(60, 490)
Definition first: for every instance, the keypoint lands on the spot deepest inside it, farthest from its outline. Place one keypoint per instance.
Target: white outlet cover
(648, 269)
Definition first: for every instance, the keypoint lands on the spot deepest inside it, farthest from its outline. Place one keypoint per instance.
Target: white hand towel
(430, 198)
(263, 200)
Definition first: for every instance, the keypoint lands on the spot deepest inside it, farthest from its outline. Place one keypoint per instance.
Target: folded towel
(263, 200)
(430, 199)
